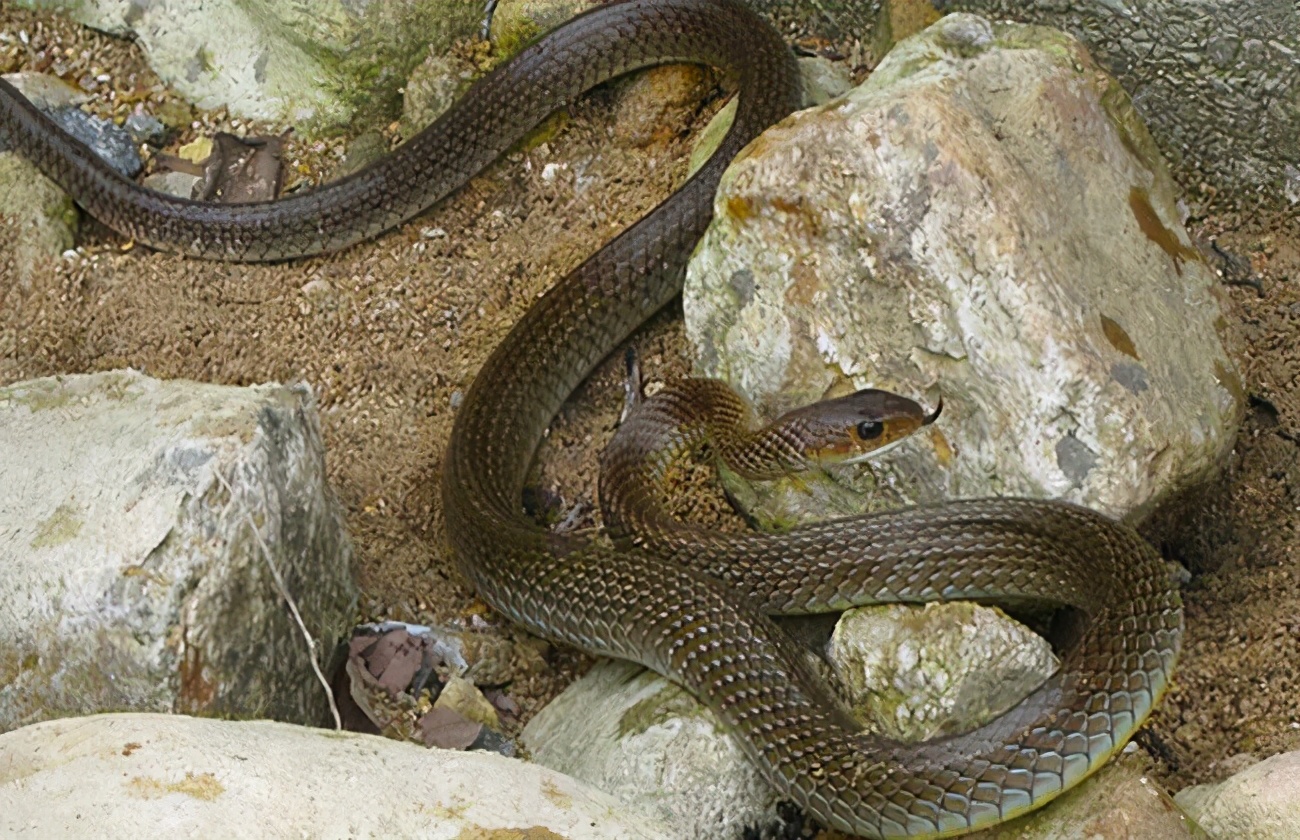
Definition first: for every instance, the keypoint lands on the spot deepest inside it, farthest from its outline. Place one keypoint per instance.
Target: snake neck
(562, 337)
(639, 465)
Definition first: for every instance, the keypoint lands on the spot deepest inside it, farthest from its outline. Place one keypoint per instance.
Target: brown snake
(676, 617)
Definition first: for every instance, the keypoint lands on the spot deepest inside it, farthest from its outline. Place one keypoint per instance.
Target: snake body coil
(677, 618)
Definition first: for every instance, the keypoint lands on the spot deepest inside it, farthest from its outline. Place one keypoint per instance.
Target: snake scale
(678, 617)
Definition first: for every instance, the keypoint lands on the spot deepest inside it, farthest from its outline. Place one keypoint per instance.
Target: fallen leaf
(448, 729)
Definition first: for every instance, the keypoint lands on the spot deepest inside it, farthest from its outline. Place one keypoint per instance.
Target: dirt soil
(390, 333)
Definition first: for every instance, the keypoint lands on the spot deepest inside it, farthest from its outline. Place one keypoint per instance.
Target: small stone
(447, 729)
(145, 128)
(317, 291)
(179, 184)
(963, 34)
(394, 659)
(196, 151)
(110, 141)
(489, 740)
(464, 697)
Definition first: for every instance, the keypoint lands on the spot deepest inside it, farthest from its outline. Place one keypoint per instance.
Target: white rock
(941, 669)
(984, 219)
(179, 184)
(634, 735)
(134, 579)
(1261, 802)
(645, 740)
(145, 776)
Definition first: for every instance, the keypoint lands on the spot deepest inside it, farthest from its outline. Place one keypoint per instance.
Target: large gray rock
(165, 776)
(1261, 802)
(315, 63)
(986, 220)
(909, 671)
(143, 529)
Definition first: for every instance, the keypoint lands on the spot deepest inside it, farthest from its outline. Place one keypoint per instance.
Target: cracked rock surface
(143, 528)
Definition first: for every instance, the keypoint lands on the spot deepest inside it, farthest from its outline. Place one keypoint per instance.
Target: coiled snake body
(674, 617)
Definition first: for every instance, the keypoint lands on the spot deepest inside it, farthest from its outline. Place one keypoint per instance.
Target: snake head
(854, 428)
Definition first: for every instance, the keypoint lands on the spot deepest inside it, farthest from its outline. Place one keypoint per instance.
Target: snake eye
(870, 429)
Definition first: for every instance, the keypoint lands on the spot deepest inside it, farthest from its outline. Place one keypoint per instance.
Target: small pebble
(179, 184)
(146, 128)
